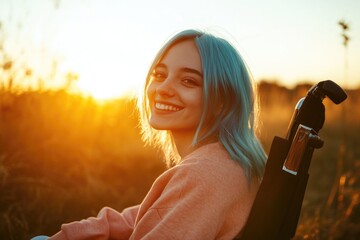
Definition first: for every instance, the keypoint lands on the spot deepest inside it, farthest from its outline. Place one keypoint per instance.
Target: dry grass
(63, 157)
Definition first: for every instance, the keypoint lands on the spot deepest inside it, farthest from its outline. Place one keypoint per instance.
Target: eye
(189, 82)
(158, 75)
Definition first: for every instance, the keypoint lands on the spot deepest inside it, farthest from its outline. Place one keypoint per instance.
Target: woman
(199, 107)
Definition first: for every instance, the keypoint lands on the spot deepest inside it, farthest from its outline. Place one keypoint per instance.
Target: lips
(167, 107)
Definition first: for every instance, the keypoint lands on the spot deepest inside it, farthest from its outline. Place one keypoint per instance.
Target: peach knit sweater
(206, 196)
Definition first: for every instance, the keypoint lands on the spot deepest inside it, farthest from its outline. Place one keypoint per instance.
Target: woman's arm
(109, 224)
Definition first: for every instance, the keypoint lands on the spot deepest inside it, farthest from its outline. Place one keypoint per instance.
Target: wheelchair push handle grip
(310, 110)
(328, 89)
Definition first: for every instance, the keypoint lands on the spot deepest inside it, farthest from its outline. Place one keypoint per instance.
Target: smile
(166, 107)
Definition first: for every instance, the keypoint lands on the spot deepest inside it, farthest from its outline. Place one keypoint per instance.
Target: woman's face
(176, 89)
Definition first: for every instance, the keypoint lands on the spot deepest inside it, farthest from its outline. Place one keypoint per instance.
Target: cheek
(150, 92)
(195, 100)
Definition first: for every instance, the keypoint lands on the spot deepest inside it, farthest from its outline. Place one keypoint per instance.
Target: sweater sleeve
(109, 224)
(193, 205)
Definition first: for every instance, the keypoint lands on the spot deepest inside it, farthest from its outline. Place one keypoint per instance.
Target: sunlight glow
(102, 86)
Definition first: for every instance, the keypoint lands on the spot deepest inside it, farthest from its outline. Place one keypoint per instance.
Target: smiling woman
(197, 105)
(179, 73)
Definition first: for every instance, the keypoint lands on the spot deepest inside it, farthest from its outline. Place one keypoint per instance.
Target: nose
(166, 88)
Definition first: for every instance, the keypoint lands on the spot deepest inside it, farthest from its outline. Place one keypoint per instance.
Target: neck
(183, 142)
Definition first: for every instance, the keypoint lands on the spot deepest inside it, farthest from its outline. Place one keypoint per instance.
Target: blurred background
(70, 72)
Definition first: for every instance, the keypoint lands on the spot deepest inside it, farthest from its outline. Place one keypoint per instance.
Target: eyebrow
(184, 69)
(191, 70)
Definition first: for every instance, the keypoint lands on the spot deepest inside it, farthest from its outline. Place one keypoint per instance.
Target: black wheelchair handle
(310, 110)
(328, 89)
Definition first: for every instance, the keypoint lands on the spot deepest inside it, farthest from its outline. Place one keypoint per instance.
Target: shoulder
(214, 161)
(208, 172)
(211, 167)
(208, 168)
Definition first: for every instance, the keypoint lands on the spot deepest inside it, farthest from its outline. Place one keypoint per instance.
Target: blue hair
(230, 104)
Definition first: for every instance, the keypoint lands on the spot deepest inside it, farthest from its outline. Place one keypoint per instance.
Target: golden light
(103, 72)
(102, 86)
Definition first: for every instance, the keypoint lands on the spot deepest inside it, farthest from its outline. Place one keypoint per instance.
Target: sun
(103, 86)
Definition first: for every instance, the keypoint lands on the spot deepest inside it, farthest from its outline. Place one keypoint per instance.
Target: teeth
(165, 107)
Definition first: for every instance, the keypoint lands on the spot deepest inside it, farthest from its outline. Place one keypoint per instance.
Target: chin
(157, 126)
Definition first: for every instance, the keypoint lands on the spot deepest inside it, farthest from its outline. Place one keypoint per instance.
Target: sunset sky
(110, 43)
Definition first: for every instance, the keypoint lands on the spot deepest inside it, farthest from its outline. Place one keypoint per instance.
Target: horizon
(115, 41)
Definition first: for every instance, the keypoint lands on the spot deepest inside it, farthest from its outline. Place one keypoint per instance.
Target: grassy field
(63, 157)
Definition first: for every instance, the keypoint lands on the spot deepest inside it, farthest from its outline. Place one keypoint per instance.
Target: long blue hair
(230, 104)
